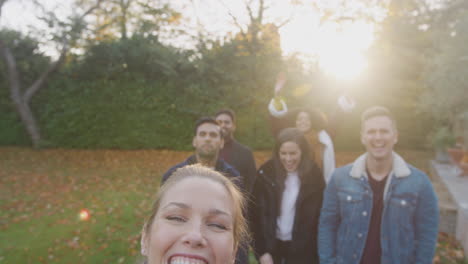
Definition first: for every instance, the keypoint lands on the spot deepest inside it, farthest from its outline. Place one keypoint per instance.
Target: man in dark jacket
(207, 141)
(233, 152)
(240, 157)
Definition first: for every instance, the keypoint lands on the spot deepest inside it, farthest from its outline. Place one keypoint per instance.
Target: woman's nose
(194, 237)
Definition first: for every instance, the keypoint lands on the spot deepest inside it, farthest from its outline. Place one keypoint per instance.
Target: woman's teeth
(186, 260)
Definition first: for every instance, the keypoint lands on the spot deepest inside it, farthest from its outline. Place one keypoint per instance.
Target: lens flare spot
(84, 215)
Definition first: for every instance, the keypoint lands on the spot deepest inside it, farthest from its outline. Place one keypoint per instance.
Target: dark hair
(207, 120)
(318, 119)
(294, 135)
(228, 112)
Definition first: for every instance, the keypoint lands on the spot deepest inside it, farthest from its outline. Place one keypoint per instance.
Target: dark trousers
(281, 252)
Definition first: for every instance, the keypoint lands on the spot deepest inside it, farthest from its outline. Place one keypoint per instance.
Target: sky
(304, 33)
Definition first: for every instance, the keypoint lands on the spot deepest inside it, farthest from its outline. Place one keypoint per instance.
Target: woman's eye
(176, 218)
(218, 226)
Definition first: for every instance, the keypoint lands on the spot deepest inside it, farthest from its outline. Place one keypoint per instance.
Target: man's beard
(227, 135)
(207, 155)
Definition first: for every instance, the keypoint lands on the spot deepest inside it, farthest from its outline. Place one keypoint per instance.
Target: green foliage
(120, 19)
(30, 63)
(125, 114)
(140, 56)
(446, 77)
(136, 92)
(443, 138)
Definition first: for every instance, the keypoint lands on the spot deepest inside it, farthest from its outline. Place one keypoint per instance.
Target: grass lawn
(43, 191)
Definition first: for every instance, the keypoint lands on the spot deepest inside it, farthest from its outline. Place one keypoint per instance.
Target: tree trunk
(29, 122)
(21, 105)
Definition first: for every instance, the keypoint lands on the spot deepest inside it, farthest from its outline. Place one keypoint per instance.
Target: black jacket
(221, 166)
(264, 210)
(242, 159)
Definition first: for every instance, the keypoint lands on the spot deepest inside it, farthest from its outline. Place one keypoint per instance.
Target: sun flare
(340, 48)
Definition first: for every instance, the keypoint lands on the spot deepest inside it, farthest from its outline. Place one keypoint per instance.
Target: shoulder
(343, 171)
(266, 167)
(241, 147)
(342, 174)
(228, 169)
(264, 175)
(418, 177)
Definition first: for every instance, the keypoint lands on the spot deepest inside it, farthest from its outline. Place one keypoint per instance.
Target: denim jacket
(409, 218)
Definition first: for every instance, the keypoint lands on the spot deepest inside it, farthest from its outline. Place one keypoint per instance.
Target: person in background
(286, 201)
(197, 218)
(207, 141)
(317, 129)
(233, 152)
(379, 209)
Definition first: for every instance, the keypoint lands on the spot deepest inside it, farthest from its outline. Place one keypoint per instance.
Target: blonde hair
(377, 111)
(240, 232)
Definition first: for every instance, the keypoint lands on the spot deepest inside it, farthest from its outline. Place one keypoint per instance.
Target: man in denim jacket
(378, 209)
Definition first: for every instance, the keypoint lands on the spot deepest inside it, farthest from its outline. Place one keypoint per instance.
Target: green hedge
(135, 113)
(124, 114)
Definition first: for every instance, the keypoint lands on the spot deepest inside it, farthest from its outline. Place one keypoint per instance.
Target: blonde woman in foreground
(196, 218)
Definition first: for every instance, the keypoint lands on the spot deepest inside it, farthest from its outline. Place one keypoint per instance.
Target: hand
(266, 259)
(346, 103)
(280, 81)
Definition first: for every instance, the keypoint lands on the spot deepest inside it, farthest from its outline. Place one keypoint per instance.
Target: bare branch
(91, 9)
(285, 22)
(234, 18)
(249, 10)
(29, 93)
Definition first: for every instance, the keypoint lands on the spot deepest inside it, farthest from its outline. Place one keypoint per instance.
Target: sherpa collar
(400, 168)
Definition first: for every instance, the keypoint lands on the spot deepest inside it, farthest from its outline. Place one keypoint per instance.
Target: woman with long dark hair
(286, 202)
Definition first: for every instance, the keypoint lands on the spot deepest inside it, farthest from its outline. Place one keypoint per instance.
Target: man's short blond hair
(377, 111)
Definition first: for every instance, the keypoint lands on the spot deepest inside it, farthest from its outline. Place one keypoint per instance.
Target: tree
(21, 96)
(122, 18)
(446, 94)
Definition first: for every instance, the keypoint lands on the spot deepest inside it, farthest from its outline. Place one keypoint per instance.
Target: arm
(328, 224)
(235, 177)
(426, 224)
(318, 205)
(255, 219)
(279, 119)
(277, 107)
(250, 171)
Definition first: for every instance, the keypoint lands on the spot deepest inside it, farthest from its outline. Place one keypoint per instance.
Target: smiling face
(208, 141)
(227, 125)
(290, 156)
(194, 225)
(379, 136)
(303, 122)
